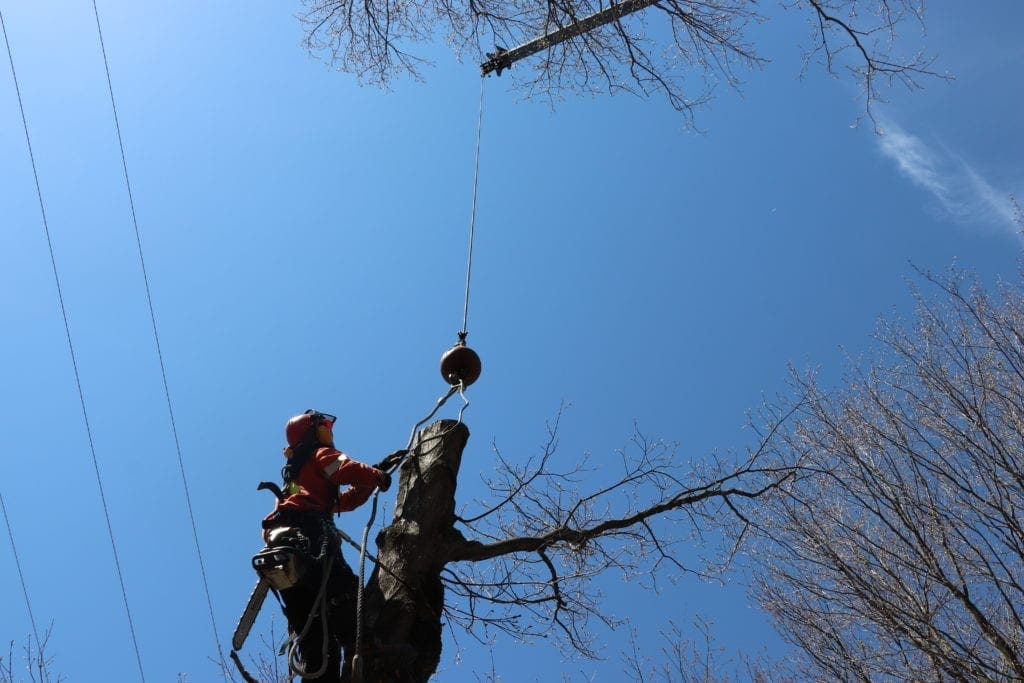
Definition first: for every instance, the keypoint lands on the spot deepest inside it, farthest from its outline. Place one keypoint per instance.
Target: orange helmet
(302, 428)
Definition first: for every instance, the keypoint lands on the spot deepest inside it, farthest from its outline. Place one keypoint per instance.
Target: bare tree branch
(38, 664)
(682, 49)
(524, 564)
(475, 551)
(897, 551)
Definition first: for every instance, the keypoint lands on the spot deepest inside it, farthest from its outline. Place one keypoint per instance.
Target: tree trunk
(404, 602)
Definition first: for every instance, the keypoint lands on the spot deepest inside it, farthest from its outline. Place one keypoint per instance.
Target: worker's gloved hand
(385, 480)
(390, 461)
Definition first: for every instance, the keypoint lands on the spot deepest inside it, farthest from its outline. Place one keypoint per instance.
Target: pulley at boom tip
(496, 62)
(502, 59)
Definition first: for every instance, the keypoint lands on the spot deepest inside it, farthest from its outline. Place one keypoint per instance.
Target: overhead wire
(74, 359)
(156, 338)
(24, 588)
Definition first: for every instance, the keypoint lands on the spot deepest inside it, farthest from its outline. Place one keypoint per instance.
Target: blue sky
(305, 242)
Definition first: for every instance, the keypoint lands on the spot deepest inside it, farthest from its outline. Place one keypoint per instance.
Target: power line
(156, 337)
(24, 589)
(71, 349)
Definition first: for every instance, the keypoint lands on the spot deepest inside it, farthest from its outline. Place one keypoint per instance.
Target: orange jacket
(324, 470)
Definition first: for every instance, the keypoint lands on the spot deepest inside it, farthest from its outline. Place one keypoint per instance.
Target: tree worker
(325, 595)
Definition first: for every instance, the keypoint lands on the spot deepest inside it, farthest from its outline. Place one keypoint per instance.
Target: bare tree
(662, 48)
(692, 655)
(266, 664)
(897, 552)
(38, 664)
(521, 562)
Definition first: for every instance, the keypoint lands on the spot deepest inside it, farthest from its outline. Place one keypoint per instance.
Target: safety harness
(283, 564)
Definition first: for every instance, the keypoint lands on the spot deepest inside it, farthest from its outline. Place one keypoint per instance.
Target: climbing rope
(156, 338)
(319, 609)
(74, 358)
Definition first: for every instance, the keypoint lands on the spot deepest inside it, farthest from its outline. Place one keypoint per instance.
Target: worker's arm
(352, 497)
(361, 478)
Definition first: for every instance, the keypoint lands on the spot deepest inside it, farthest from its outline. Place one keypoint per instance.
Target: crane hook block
(460, 364)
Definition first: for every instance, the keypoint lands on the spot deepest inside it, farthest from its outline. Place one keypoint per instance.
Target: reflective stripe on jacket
(326, 469)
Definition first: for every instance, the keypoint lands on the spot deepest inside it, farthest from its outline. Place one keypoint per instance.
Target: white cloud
(996, 201)
(964, 194)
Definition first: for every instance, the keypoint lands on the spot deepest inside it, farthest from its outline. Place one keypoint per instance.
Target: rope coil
(295, 666)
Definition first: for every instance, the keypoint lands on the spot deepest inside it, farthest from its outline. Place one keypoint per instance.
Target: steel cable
(472, 215)
(460, 388)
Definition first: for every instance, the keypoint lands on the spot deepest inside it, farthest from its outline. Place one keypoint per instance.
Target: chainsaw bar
(252, 610)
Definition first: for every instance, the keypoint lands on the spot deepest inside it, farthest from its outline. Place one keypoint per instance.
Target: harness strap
(301, 455)
(298, 518)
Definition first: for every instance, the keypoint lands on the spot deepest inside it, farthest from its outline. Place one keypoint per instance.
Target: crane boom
(502, 59)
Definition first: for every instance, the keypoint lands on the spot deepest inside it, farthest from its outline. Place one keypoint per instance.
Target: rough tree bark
(404, 604)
